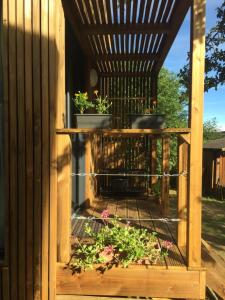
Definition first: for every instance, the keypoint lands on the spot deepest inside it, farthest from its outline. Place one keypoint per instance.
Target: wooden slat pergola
(129, 40)
(131, 37)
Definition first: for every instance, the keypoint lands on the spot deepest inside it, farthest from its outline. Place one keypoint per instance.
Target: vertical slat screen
(129, 95)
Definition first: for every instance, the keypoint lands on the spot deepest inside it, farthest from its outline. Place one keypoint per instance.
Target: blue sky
(214, 105)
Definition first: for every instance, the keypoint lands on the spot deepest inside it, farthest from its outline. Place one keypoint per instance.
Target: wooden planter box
(146, 121)
(142, 281)
(92, 120)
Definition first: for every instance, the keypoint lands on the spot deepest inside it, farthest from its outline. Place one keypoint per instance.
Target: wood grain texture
(4, 283)
(5, 65)
(21, 148)
(133, 281)
(13, 150)
(73, 297)
(37, 135)
(123, 131)
(29, 148)
(182, 193)
(54, 15)
(196, 124)
(166, 179)
(63, 153)
(27, 81)
(44, 63)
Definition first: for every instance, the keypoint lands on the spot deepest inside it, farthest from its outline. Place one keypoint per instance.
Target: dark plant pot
(147, 121)
(92, 120)
(120, 184)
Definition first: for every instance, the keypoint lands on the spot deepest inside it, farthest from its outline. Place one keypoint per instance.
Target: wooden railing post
(154, 87)
(182, 193)
(153, 179)
(196, 125)
(165, 179)
(89, 168)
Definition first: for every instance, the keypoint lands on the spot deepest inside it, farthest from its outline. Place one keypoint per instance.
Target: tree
(215, 55)
(170, 100)
(211, 130)
(171, 103)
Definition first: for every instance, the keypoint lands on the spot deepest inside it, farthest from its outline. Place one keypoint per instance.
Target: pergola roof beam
(70, 12)
(125, 74)
(126, 28)
(180, 12)
(126, 57)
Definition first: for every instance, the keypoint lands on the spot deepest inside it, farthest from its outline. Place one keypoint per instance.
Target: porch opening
(115, 50)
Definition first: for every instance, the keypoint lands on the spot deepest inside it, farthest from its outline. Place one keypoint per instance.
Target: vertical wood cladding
(31, 60)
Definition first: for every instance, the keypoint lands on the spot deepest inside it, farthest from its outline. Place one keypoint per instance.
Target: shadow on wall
(31, 73)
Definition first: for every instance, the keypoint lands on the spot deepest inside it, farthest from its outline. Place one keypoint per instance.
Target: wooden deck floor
(140, 213)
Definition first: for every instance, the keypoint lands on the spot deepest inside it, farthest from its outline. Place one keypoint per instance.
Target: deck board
(136, 211)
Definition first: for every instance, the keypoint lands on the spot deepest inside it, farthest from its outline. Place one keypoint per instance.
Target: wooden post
(165, 180)
(182, 193)
(29, 148)
(53, 86)
(89, 186)
(154, 85)
(196, 124)
(63, 152)
(45, 147)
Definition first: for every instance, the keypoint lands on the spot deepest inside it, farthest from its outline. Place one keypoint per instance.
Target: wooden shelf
(124, 131)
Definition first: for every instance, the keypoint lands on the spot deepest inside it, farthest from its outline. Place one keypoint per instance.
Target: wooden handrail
(124, 131)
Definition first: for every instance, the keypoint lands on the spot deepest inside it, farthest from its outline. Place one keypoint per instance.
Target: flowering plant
(102, 104)
(114, 244)
(81, 102)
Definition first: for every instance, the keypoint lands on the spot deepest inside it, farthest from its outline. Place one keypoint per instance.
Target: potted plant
(81, 104)
(102, 105)
(147, 120)
(91, 120)
(117, 244)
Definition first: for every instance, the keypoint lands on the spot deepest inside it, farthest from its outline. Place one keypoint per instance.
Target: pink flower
(167, 244)
(140, 262)
(109, 249)
(105, 214)
(107, 253)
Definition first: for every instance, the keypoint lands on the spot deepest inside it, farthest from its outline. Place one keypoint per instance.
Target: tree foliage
(211, 130)
(171, 103)
(215, 55)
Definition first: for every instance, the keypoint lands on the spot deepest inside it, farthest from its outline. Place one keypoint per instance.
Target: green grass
(213, 221)
(213, 224)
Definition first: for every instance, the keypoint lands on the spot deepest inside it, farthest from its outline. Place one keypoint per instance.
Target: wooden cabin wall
(34, 91)
(2, 162)
(222, 169)
(209, 165)
(213, 172)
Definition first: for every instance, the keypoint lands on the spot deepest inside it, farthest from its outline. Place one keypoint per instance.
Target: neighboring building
(214, 168)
